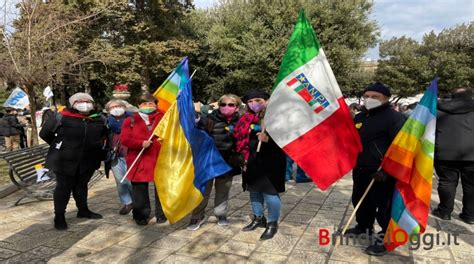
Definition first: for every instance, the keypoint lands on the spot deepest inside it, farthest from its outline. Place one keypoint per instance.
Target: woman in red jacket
(135, 133)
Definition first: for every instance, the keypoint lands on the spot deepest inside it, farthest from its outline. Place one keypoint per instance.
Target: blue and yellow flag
(188, 159)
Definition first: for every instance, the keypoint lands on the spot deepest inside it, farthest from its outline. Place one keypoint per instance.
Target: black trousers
(77, 184)
(449, 173)
(378, 202)
(141, 202)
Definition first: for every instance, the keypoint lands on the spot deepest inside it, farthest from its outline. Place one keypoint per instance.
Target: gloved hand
(380, 176)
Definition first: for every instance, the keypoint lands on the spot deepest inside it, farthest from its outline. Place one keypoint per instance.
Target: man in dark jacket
(76, 142)
(12, 129)
(454, 154)
(378, 124)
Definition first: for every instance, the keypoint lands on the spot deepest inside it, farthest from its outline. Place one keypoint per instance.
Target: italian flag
(307, 115)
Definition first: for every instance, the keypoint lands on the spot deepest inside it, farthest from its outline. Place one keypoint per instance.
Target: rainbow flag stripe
(410, 160)
(168, 90)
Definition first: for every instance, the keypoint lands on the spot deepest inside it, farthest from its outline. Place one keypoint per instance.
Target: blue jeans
(300, 174)
(273, 204)
(124, 189)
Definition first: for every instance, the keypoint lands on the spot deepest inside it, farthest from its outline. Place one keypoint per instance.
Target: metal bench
(21, 165)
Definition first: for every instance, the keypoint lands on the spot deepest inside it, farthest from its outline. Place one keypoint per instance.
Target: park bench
(23, 174)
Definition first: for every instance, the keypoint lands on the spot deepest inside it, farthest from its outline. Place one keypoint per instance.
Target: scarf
(242, 132)
(116, 124)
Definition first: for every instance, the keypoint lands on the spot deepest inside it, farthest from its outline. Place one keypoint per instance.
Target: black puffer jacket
(455, 130)
(77, 143)
(11, 126)
(221, 130)
(377, 129)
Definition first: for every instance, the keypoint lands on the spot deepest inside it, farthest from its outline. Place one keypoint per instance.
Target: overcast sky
(412, 18)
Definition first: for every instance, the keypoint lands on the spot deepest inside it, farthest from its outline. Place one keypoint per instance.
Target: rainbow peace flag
(188, 158)
(410, 160)
(169, 89)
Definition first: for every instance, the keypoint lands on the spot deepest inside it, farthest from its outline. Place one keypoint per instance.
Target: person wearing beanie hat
(76, 150)
(379, 87)
(82, 102)
(377, 124)
(265, 166)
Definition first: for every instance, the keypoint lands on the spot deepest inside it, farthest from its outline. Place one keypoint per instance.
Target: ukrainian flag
(188, 159)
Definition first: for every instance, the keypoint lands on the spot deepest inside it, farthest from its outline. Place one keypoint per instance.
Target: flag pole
(357, 206)
(263, 131)
(336, 243)
(143, 149)
(135, 161)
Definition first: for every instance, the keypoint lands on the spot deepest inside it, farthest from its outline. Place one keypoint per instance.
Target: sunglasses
(224, 104)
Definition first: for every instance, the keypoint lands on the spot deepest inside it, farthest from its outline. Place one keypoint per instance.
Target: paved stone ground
(27, 234)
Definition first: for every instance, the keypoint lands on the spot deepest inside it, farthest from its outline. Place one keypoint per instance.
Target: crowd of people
(80, 138)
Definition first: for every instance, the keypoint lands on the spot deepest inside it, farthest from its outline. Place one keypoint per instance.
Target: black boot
(88, 214)
(270, 231)
(60, 222)
(257, 221)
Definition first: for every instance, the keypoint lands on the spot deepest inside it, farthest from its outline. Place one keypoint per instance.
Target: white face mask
(371, 103)
(117, 111)
(84, 107)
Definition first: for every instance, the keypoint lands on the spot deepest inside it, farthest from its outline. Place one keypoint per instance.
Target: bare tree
(41, 44)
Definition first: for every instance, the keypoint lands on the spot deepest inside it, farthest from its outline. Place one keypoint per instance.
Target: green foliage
(241, 43)
(408, 66)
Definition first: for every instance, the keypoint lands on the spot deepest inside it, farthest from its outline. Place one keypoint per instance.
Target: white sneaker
(222, 221)
(195, 224)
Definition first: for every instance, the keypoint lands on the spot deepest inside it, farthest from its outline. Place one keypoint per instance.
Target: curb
(8, 189)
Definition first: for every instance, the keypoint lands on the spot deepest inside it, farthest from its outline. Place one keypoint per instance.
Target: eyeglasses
(224, 104)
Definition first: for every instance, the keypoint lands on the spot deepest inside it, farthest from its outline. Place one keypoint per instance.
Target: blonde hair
(234, 97)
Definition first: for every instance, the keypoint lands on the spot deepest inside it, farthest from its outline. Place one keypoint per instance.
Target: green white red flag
(307, 115)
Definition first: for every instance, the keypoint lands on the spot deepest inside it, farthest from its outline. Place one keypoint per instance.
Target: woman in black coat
(76, 138)
(264, 169)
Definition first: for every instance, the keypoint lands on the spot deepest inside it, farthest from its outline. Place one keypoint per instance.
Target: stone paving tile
(391, 258)
(204, 246)
(170, 243)
(147, 255)
(355, 254)
(238, 248)
(290, 228)
(141, 239)
(300, 256)
(298, 218)
(463, 256)
(111, 254)
(219, 257)
(175, 258)
(104, 240)
(311, 243)
(249, 237)
(7, 253)
(72, 255)
(260, 257)
(279, 244)
(430, 260)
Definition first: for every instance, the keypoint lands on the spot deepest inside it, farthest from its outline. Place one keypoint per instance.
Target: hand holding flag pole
(143, 149)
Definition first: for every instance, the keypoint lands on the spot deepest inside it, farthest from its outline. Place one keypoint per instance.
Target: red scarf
(242, 132)
(71, 114)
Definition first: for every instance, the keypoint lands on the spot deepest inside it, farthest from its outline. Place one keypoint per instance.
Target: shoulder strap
(132, 120)
(210, 125)
(59, 118)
